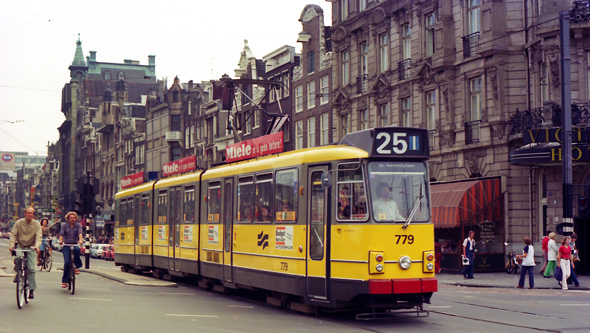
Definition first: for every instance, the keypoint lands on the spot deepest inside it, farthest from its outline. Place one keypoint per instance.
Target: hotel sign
(543, 135)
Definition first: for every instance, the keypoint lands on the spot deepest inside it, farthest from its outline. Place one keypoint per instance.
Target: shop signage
(264, 145)
(182, 165)
(555, 134)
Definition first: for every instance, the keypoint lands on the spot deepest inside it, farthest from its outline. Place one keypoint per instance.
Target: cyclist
(70, 233)
(27, 232)
(46, 241)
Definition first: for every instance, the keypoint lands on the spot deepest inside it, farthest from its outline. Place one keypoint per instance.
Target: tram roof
(180, 179)
(134, 190)
(291, 158)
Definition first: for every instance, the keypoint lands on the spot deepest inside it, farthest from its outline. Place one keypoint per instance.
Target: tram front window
(397, 189)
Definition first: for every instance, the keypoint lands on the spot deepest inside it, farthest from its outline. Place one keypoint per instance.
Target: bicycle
(72, 278)
(45, 258)
(22, 277)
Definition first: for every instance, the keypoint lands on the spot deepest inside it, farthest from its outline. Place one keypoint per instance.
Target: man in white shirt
(385, 208)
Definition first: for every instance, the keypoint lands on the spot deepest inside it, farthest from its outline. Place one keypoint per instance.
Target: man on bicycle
(27, 232)
(70, 233)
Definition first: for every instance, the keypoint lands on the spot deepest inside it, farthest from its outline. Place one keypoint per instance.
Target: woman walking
(564, 261)
(552, 251)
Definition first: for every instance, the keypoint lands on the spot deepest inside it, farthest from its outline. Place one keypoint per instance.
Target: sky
(194, 40)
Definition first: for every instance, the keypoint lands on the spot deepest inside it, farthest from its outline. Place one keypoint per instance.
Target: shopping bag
(558, 274)
(465, 261)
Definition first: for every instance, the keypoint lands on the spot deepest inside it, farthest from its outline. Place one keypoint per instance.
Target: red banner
(264, 145)
(130, 181)
(182, 165)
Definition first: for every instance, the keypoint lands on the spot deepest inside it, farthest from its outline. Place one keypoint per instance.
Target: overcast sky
(194, 40)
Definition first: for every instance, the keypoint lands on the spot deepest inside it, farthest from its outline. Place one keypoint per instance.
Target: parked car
(108, 253)
(96, 250)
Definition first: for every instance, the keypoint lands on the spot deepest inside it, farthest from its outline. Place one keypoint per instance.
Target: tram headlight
(405, 262)
(430, 266)
(379, 268)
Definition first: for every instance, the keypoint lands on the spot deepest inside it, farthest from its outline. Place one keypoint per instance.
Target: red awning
(457, 203)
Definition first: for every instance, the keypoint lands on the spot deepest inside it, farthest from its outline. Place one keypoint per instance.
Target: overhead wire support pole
(566, 121)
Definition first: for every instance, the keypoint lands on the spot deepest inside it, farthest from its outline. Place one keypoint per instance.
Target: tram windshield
(399, 191)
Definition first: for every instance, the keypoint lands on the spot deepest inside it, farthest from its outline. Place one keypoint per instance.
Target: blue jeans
(67, 261)
(574, 278)
(31, 265)
(523, 272)
(468, 270)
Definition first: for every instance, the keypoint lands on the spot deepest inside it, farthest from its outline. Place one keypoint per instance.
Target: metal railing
(470, 44)
(472, 131)
(404, 69)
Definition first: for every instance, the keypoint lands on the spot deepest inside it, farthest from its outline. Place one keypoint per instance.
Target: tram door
(174, 229)
(227, 220)
(317, 224)
(136, 222)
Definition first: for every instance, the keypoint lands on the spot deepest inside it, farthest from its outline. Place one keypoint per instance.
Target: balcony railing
(472, 131)
(404, 69)
(470, 44)
(173, 136)
(432, 139)
(362, 83)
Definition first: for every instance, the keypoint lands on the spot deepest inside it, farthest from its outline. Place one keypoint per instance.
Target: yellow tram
(341, 226)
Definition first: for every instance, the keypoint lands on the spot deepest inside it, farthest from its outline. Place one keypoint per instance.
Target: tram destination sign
(390, 142)
(264, 145)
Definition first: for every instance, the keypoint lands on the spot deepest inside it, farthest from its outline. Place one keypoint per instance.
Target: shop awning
(469, 201)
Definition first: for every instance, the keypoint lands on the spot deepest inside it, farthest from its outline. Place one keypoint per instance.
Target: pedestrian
(544, 245)
(469, 253)
(574, 256)
(528, 263)
(27, 233)
(564, 261)
(552, 251)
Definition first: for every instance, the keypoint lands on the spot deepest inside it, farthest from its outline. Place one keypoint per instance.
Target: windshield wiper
(414, 209)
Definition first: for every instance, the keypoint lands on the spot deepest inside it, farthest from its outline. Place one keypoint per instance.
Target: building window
(325, 129)
(249, 125)
(545, 82)
(406, 51)
(344, 56)
(192, 136)
(311, 132)
(272, 94)
(430, 22)
(107, 75)
(299, 134)
(362, 5)
(310, 62)
(311, 94)
(383, 52)
(299, 99)
(473, 16)
(175, 124)
(344, 125)
(286, 131)
(406, 112)
(256, 118)
(472, 127)
(363, 68)
(384, 114)
(286, 85)
(187, 134)
(363, 120)
(431, 109)
(324, 90)
(343, 10)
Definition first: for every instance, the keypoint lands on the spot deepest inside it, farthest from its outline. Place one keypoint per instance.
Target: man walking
(469, 253)
(544, 247)
(27, 233)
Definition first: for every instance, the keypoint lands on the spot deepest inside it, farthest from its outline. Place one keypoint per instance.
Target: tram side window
(286, 198)
(162, 207)
(352, 197)
(145, 209)
(264, 198)
(119, 213)
(137, 211)
(129, 214)
(189, 205)
(246, 195)
(213, 202)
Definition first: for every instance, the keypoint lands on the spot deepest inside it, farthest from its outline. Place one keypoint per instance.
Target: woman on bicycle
(70, 233)
(46, 241)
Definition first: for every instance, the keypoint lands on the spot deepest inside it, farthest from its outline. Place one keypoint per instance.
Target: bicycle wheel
(48, 262)
(73, 277)
(20, 288)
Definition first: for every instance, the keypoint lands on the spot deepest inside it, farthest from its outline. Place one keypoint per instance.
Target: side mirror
(326, 180)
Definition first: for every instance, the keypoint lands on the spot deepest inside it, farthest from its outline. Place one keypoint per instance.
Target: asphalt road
(102, 304)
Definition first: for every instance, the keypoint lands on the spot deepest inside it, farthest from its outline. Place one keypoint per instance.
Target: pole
(87, 243)
(566, 117)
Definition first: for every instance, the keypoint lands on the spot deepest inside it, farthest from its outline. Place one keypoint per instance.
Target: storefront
(476, 205)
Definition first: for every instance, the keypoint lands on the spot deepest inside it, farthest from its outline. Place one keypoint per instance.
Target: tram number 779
(404, 238)
(284, 266)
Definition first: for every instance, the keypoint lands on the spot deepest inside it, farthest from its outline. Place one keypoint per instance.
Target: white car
(96, 250)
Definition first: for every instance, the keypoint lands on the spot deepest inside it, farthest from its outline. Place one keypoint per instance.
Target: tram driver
(384, 207)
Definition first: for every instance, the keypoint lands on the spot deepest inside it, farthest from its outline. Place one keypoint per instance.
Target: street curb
(507, 287)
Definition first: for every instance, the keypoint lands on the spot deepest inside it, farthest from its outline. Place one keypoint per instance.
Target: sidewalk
(482, 280)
